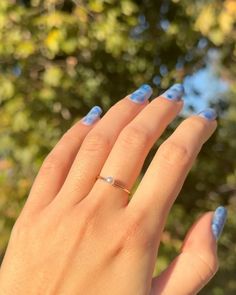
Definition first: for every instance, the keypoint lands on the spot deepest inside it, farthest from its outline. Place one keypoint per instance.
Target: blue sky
(204, 85)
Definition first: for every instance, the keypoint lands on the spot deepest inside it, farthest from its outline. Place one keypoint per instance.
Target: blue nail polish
(175, 92)
(142, 94)
(92, 116)
(209, 114)
(218, 221)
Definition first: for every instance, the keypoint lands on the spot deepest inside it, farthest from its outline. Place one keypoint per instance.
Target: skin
(78, 235)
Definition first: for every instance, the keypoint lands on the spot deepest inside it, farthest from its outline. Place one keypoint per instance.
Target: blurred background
(58, 58)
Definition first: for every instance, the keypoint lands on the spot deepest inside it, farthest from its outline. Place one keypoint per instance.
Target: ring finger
(133, 144)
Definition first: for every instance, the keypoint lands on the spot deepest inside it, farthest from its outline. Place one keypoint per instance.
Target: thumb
(197, 263)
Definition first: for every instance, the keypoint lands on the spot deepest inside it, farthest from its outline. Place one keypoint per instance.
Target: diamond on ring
(110, 179)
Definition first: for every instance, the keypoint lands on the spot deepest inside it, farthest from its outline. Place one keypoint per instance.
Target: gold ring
(112, 181)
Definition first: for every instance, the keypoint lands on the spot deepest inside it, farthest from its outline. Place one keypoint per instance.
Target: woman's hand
(80, 235)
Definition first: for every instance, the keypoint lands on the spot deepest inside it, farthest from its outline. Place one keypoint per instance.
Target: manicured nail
(92, 116)
(142, 94)
(209, 114)
(175, 92)
(218, 221)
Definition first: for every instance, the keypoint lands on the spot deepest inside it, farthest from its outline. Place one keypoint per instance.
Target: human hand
(80, 235)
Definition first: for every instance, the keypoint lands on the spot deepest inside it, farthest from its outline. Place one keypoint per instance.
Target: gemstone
(109, 179)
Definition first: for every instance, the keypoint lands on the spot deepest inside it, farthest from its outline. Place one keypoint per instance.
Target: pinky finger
(197, 263)
(56, 165)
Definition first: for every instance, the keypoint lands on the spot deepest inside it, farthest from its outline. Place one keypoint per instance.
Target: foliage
(58, 59)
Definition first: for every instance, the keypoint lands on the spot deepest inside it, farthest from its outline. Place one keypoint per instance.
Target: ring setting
(111, 180)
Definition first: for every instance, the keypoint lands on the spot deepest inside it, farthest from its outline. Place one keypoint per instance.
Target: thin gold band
(112, 181)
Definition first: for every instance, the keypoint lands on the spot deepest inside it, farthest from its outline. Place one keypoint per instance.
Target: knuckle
(69, 136)
(136, 234)
(195, 123)
(205, 265)
(121, 107)
(211, 263)
(96, 141)
(174, 153)
(135, 136)
(22, 227)
(52, 161)
(215, 265)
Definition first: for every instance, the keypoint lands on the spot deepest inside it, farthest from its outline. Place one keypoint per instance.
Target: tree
(56, 57)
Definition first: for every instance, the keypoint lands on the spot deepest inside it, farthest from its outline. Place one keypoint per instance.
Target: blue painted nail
(218, 221)
(175, 92)
(92, 116)
(142, 94)
(209, 114)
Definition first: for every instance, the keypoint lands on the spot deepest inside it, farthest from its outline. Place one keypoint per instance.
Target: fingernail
(142, 94)
(175, 92)
(218, 221)
(92, 116)
(209, 114)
